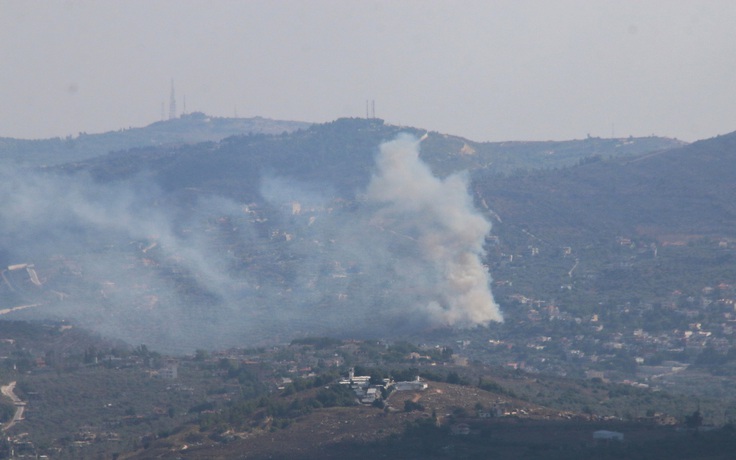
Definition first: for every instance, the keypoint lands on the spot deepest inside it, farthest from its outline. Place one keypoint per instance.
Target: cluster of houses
(368, 393)
(704, 322)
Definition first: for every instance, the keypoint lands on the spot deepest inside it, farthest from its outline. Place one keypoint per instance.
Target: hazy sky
(486, 70)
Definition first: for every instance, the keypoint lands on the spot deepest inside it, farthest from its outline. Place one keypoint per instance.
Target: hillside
(504, 158)
(445, 421)
(340, 154)
(191, 128)
(611, 260)
(84, 398)
(673, 195)
(366, 432)
(220, 234)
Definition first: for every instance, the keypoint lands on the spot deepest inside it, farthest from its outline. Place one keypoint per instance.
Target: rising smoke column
(437, 214)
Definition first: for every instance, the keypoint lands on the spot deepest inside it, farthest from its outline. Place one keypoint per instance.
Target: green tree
(694, 420)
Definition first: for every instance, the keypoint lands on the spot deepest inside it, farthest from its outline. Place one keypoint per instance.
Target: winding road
(20, 406)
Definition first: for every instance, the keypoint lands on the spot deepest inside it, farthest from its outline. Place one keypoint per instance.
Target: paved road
(20, 406)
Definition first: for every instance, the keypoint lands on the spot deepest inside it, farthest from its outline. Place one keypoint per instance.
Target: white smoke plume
(439, 216)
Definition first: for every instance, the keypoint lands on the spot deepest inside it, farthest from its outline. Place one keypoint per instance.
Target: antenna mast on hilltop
(172, 102)
(370, 109)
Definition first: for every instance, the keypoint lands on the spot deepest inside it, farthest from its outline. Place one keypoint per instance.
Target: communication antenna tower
(172, 102)
(370, 109)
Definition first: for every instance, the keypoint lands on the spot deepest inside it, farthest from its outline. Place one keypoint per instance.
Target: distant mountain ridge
(681, 193)
(190, 128)
(341, 152)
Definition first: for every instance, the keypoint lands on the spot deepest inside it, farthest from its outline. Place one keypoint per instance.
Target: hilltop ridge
(189, 128)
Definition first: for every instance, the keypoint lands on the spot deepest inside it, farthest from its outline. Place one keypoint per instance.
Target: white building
(608, 435)
(357, 380)
(415, 385)
(169, 372)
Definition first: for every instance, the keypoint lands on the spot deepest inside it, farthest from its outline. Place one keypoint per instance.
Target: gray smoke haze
(109, 255)
(178, 273)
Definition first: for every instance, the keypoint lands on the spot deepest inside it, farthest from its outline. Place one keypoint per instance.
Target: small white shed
(608, 435)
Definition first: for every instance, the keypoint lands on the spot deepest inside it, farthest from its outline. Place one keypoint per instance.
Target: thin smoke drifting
(109, 257)
(438, 215)
(132, 261)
